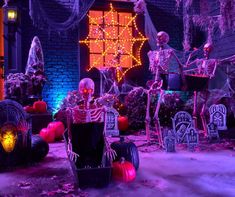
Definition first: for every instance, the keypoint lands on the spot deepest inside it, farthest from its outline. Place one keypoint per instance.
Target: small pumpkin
(128, 150)
(39, 148)
(57, 127)
(123, 171)
(40, 106)
(47, 134)
(29, 109)
(123, 123)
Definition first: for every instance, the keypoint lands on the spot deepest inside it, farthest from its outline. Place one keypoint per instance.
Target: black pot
(128, 150)
(39, 148)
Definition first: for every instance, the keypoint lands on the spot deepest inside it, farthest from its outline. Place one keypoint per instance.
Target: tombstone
(218, 116)
(112, 122)
(213, 133)
(192, 138)
(181, 122)
(170, 142)
(15, 134)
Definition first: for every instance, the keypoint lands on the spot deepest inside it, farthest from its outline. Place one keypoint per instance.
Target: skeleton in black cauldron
(206, 68)
(88, 113)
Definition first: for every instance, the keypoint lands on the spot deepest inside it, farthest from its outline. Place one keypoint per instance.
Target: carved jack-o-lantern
(8, 137)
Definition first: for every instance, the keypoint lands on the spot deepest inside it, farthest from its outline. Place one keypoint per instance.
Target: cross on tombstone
(192, 138)
(112, 122)
(218, 116)
(170, 142)
(181, 122)
(213, 133)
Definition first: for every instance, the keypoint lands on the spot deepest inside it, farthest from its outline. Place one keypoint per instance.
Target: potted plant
(16, 85)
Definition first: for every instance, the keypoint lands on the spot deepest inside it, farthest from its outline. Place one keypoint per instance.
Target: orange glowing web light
(119, 50)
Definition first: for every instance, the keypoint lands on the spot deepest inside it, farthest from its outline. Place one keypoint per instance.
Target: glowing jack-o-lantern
(8, 137)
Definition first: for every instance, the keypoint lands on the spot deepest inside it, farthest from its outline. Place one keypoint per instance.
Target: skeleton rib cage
(88, 115)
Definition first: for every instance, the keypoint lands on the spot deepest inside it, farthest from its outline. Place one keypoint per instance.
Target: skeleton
(159, 64)
(160, 59)
(206, 67)
(87, 113)
(154, 88)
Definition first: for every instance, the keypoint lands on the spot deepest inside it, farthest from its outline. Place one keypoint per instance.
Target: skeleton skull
(207, 49)
(162, 38)
(86, 89)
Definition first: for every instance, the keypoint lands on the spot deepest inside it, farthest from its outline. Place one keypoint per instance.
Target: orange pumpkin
(123, 123)
(40, 106)
(47, 135)
(57, 127)
(123, 171)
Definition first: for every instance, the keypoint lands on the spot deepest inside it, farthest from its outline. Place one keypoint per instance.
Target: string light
(110, 42)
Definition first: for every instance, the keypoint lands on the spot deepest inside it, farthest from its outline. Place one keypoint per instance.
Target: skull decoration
(8, 137)
(207, 49)
(86, 89)
(162, 38)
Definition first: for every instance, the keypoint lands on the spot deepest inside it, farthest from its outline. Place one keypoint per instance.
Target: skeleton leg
(147, 117)
(195, 109)
(156, 119)
(203, 118)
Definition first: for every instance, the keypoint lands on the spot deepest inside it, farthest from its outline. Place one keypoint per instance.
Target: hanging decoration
(225, 20)
(206, 23)
(227, 15)
(41, 19)
(187, 24)
(107, 36)
(150, 30)
(5, 3)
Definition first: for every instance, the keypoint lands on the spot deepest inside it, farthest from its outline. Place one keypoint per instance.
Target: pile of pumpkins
(38, 107)
(127, 161)
(54, 131)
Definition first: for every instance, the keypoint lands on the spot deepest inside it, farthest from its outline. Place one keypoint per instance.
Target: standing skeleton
(159, 64)
(206, 67)
(87, 113)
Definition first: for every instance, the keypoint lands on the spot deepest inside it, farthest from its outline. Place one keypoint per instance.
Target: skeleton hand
(152, 68)
(110, 153)
(72, 155)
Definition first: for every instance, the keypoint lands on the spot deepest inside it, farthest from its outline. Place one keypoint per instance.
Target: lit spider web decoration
(120, 51)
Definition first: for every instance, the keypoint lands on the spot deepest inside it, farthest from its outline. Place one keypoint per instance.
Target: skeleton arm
(72, 155)
(109, 152)
(228, 60)
(151, 56)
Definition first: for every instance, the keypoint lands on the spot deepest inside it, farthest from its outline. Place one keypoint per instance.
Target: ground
(209, 171)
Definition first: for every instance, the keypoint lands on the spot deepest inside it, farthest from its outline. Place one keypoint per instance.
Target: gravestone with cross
(218, 116)
(111, 122)
(213, 133)
(192, 138)
(181, 122)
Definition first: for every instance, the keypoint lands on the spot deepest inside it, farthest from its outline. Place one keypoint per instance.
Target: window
(110, 31)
